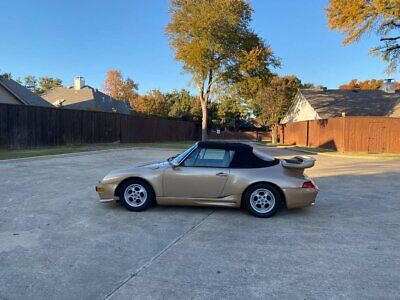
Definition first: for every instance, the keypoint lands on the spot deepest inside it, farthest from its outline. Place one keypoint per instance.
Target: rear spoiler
(298, 162)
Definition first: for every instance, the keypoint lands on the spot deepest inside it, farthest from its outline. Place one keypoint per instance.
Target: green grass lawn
(11, 154)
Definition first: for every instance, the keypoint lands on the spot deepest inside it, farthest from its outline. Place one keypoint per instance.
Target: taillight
(309, 185)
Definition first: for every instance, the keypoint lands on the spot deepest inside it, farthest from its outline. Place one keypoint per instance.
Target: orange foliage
(372, 84)
(118, 87)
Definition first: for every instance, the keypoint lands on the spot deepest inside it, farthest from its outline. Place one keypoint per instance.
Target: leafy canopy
(214, 41)
(371, 84)
(231, 111)
(41, 85)
(183, 105)
(215, 36)
(273, 101)
(355, 18)
(48, 83)
(153, 103)
(119, 88)
(176, 104)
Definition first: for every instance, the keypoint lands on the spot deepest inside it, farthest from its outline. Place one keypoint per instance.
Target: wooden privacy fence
(241, 135)
(346, 134)
(30, 126)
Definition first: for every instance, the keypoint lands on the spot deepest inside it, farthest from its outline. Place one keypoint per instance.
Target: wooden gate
(376, 137)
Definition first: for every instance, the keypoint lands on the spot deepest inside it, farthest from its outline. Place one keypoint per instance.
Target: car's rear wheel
(136, 195)
(262, 200)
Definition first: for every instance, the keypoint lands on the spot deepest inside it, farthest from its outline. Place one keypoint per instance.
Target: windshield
(177, 160)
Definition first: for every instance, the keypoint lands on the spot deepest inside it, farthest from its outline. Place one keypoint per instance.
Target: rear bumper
(106, 192)
(300, 197)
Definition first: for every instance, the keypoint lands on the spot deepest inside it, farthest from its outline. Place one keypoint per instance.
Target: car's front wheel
(136, 195)
(262, 200)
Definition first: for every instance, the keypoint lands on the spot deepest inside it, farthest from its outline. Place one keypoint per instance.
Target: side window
(209, 158)
(190, 161)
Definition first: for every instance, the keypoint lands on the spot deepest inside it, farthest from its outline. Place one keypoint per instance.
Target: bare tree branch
(391, 23)
(395, 47)
(390, 38)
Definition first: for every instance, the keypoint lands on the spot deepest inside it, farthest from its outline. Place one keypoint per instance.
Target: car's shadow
(174, 209)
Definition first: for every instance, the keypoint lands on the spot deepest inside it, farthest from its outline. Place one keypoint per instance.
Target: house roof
(23, 94)
(86, 98)
(332, 103)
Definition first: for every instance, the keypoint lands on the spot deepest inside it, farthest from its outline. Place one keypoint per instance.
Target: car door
(202, 174)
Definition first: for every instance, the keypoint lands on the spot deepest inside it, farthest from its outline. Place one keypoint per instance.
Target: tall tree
(215, 44)
(273, 101)
(31, 82)
(355, 18)
(41, 85)
(119, 88)
(48, 83)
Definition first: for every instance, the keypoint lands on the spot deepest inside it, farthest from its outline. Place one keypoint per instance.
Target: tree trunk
(274, 133)
(204, 121)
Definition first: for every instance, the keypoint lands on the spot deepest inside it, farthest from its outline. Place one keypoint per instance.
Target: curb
(303, 151)
(354, 156)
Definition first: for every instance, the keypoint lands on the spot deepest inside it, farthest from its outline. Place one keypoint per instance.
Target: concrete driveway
(58, 242)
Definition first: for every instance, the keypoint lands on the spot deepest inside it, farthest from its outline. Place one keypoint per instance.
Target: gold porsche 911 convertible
(214, 174)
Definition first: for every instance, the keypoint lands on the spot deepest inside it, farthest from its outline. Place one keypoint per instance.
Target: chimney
(79, 82)
(389, 86)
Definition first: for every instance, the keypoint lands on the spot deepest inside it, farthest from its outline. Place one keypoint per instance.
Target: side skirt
(229, 201)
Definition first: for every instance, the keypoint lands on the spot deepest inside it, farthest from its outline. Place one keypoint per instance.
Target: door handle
(221, 174)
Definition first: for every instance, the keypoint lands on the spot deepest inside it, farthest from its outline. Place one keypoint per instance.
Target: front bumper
(300, 197)
(106, 192)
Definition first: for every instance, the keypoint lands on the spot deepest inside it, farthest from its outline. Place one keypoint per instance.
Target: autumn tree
(153, 103)
(176, 104)
(214, 42)
(371, 84)
(273, 101)
(356, 18)
(119, 88)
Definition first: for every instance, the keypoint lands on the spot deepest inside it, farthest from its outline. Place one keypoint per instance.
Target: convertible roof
(244, 157)
(224, 145)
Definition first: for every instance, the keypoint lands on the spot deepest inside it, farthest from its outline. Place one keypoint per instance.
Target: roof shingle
(86, 98)
(23, 94)
(332, 103)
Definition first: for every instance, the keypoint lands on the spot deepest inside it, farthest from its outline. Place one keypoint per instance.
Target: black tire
(136, 202)
(270, 209)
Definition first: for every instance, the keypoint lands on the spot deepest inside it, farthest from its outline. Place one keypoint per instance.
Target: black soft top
(244, 157)
(224, 145)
